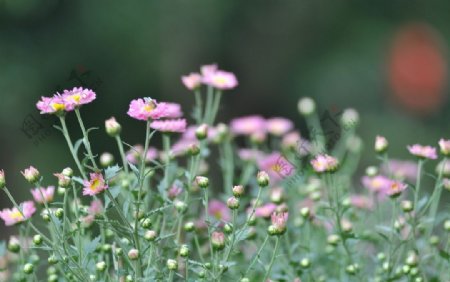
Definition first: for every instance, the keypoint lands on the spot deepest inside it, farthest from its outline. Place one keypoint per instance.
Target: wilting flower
(324, 163)
(31, 174)
(42, 194)
(51, 105)
(192, 81)
(144, 109)
(13, 216)
(218, 240)
(381, 144)
(279, 126)
(219, 210)
(95, 185)
(424, 152)
(169, 125)
(445, 147)
(248, 125)
(279, 221)
(76, 97)
(395, 188)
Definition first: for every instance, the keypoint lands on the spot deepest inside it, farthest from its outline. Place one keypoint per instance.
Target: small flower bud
(52, 260)
(223, 268)
(67, 172)
(306, 106)
(100, 266)
(37, 239)
(184, 251)
(233, 203)
(351, 269)
(434, 240)
(371, 171)
(406, 269)
(244, 279)
(2, 179)
(414, 271)
(218, 240)
(349, 119)
(133, 254)
(202, 274)
(129, 278)
(112, 127)
(272, 231)
(381, 144)
(202, 182)
(346, 226)
(201, 132)
(51, 270)
(193, 150)
(180, 206)
(305, 212)
(447, 225)
(228, 228)
(106, 248)
(381, 256)
(118, 251)
(146, 223)
(125, 241)
(150, 235)
(412, 259)
(63, 180)
(305, 263)
(14, 245)
(189, 226)
(31, 174)
(238, 191)
(92, 277)
(172, 264)
(251, 220)
(52, 278)
(333, 239)
(106, 159)
(407, 206)
(59, 213)
(207, 265)
(276, 195)
(28, 268)
(443, 167)
(263, 179)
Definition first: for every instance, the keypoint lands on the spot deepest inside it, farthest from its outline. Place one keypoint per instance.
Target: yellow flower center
(218, 215)
(276, 167)
(17, 215)
(220, 80)
(58, 106)
(76, 97)
(95, 184)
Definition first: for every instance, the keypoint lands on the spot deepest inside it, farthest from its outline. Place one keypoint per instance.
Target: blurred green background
(338, 52)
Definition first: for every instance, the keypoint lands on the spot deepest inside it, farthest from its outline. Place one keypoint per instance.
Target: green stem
(209, 104)
(86, 142)
(272, 259)
(122, 154)
(71, 148)
(215, 107)
(436, 197)
(258, 254)
(199, 106)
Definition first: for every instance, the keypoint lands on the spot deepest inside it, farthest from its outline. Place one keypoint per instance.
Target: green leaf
(111, 172)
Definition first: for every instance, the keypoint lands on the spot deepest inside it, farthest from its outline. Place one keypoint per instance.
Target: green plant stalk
(257, 255)
(230, 248)
(391, 249)
(416, 196)
(122, 154)
(215, 107)
(86, 142)
(272, 260)
(171, 273)
(436, 197)
(205, 199)
(80, 244)
(228, 171)
(209, 105)
(71, 148)
(252, 212)
(197, 245)
(314, 126)
(166, 148)
(198, 105)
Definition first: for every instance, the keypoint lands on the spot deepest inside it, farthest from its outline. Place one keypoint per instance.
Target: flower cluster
(66, 101)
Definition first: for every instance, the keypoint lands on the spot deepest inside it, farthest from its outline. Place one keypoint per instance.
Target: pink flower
(276, 166)
(291, 140)
(445, 146)
(192, 81)
(266, 210)
(31, 174)
(218, 240)
(222, 80)
(95, 185)
(208, 70)
(144, 109)
(168, 110)
(395, 188)
(424, 152)
(361, 202)
(169, 125)
(174, 191)
(13, 216)
(250, 154)
(279, 221)
(219, 210)
(376, 184)
(51, 105)
(324, 163)
(76, 97)
(279, 126)
(401, 169)
(96, 207)
(42, 194)
(248, 125)
(381, 144)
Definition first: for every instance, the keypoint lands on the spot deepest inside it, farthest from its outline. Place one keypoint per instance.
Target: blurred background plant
(387, 59)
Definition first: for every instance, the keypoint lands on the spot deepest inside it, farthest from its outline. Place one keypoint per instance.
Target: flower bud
(172, 264)
(381, 256)
(228, 228)
(146, 223)
(100, 266)
(129, 278)
(106, 159)
(189, 226)
(201, 132)
(351, 269)
(184, 251)
(444, 146)
(202, 274)
(37, 239)
(2, 179)
(371, 171)
(180, 206)
(52, 260)
(63, 180)
(272, 231)
(193, 150)
(381, 144)
(306, 106)
(218, 240)
(263, 179)
(59, 213)
(28, 268)
(406, 269)
(221, 132)
(14, 245)
(407, 206)
(233, 203)
(305, 263)
(31, 174)
(305, 212)
(412, 259)
(238, 191)
(349, 119)
(202, 182)
(346, 226)
(333, 239)
(67, 172)
(434, 240)
(112, 127)
(244, 279)
(106, 248)
(52, 278)
(443, 167)
(118, 251)
(133, 254)
(276, 195)
(92, 277)
(447, 225)
(150, 235)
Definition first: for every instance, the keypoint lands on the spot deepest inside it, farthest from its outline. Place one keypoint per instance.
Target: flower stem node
(263, 179)
(133, 254)
(172, 264)
(184, 251)
(100, 266)
(28, 268)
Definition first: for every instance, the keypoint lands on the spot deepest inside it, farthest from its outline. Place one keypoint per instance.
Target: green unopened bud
(407, 206)
(106, 159)
(184, 251)
(133, 254)
(129, 278)
(201, 132)
(28, 268)
(180, 206)
(306, 106)
(14, 245)
(146, 223)
(333, 239)
(244, 279)
(37, 239)
(201, 274)
(305, 263)
(414, 271)
(381, 256)
(434, 240)
(207, 265)
(106, 248)
(305, 212)
(100, 266)
(2, 179)
(172, 264)
(52, 278)
(238, 191)
(150, 235)
(233, 203)
(412, 259)
(52, 260)
(67, 172)
(202, 182)
(272, 230)
(371, 171)
(263, 179)
(351, 269)
(349, 119)
(406, 269)
(223, 268)
(59, 213)
(193, 150)
(51, 270)
(112, 127)
(189, 226)
(228, 228)
(92, 277)
(119, 251)
(447, 225)
(381, 144)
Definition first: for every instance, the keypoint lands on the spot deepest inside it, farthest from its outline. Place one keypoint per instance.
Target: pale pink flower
(13, 216)
(250, 154)
(208, 70)
(279, 221)
(96, 207)
(134, 155)
(174, 191)
(182, 146)
(291, 140)
(169, 125)
(279, 126)
(31, 174)
(192, 81)
(248, 125)
(95, 185)
(76, 97)
(145, 109)
(395, 188)
(361, 202)
(51, 105)
(324, 163)
(446, 183)
(376, 184)
(168, 110)
(218, 240)
(403, 170)
(219, 210)
(222, 80)
(445, 146)
(265, 211)
(277, 166)
(425, 152)
(43, 194)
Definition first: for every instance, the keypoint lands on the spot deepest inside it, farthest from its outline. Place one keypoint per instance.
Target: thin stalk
(215, 107)
(272, 260)
(209, 104)
(258, 254)
(199, 106)
(122, 154)
(71, 148)
(86, 142)
(436, 197)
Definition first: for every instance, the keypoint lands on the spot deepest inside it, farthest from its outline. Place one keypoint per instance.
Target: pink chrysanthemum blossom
(222, 80)
(51, 105)
(279, 126)
(277, 166)
(76, 97)
(169, 125)
(208, 70)
(14, 216)
(174, 191)
(395, 188)
(324, 163)
(43, 194)
(248, 125)
(192, 80)
(250, 154)
(168, 110)
(361, 202)
(291, 140)
(95, 208)
(144, 109)
(279, 221)
(444, 145)
(265, 211)
(219, 210)
(376, 184)
(424, 152)
(402, 170)
(95, 185)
